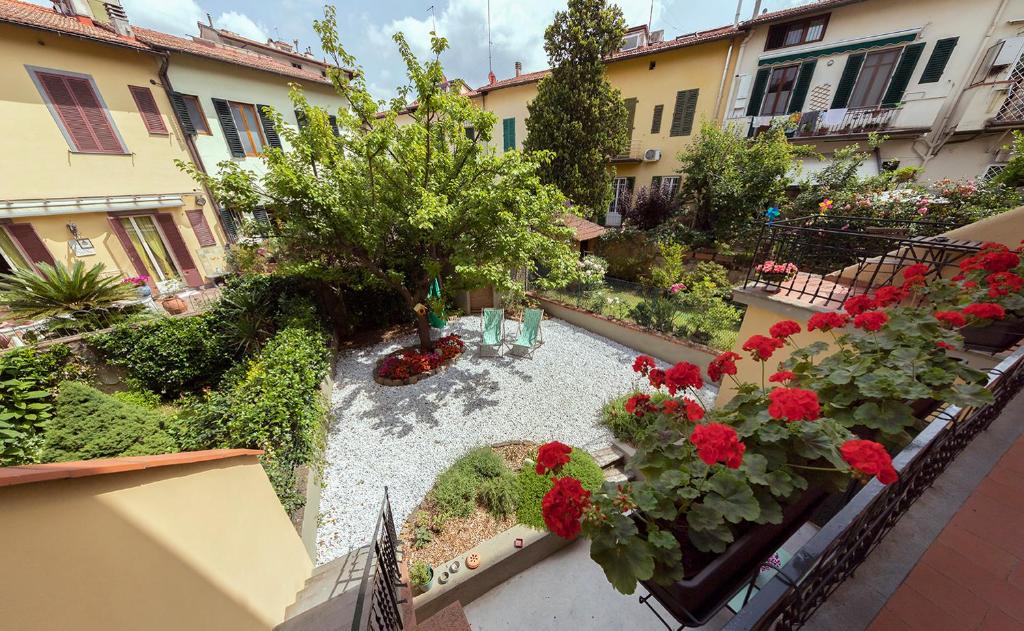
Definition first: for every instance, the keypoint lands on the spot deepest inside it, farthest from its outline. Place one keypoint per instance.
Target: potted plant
(421, 576)
(141, 285)
(774, 273)
(169, 299)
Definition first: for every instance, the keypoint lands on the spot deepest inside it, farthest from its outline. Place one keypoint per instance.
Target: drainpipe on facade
(725, 70)
(940, 133)
(193, 151)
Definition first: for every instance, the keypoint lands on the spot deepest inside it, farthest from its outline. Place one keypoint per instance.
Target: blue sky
(517, 27)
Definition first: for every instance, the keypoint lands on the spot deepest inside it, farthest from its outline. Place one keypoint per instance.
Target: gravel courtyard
(404, 436)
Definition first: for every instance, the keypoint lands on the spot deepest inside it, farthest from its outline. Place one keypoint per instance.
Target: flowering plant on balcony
(136, 281)
(993, 276)
(776, 271)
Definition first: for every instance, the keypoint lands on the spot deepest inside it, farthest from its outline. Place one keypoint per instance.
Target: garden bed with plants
(487, 491)
(411, 365)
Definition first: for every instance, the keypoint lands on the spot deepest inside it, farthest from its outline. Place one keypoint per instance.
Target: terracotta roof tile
(12, 476)
(228, 54)
(35, 16)
(792, 12)
(584, 230)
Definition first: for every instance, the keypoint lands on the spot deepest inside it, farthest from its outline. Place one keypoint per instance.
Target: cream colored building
(941, 78)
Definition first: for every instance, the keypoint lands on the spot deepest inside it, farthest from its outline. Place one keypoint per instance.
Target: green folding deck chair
(492, 332)
(530, 334)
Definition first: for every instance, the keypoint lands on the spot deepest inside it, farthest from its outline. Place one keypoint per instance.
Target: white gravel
(404, 436)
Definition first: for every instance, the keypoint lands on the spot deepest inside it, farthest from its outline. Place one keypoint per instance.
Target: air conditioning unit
(652, 155)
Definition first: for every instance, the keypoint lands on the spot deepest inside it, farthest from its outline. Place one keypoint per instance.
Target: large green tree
(397, 205)
(577, 114)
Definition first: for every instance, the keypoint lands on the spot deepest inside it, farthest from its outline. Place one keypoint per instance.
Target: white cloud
(241, 24)
(177, 17)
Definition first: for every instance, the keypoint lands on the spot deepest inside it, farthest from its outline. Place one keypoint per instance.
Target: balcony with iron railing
(840, 122)
(633, 152)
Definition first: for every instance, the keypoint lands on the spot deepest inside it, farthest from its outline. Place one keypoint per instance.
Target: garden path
(404, 436)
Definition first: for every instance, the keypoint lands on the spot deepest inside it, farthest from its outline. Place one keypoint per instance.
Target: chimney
(110, 13)
(209, 20)
(491, 79)
(78, 9)
(519, 68)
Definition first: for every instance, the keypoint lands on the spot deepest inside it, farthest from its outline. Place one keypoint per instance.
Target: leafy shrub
(457, 490)
(89, 424)
(169, 356)
(420, 573)
(657, 312)
(28, 384)
(711, 273)
(623, 425)
(706, 315)
(498, 495)
(138, 397)
(649, 208)
(531, 487)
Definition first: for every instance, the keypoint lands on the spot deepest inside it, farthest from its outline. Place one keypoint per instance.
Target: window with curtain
(780, 89)
(247, 122)
(670, 186)
(150, 247)
(874, 78)
(12, 257)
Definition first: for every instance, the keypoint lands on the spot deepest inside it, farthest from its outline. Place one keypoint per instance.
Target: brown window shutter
(70, 114)
(200, 227)
(94, 113)
(129, 249)
(180, 251)
(148, 109)
(30, 242)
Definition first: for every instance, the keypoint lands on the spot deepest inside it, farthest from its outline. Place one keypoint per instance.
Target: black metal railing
(839, 256)
(378, 604)
(837, 550)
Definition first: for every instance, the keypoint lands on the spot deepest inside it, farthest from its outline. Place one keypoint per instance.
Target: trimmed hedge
(89, 424)
(531, 487)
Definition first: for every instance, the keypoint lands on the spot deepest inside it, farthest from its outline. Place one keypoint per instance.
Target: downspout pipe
(190, 144)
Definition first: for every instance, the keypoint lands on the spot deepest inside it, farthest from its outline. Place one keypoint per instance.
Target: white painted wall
(209, 79)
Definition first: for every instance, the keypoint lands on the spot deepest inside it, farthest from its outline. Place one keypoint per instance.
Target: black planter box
(995, 337)
(695, 600)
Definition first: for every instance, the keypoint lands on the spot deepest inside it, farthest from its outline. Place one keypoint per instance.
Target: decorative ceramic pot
(144, 291)
(174, 305)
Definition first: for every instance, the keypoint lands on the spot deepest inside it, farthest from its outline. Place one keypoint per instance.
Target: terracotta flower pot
(174, 305)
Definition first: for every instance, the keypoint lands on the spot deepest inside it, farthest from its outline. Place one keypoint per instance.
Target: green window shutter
(757, 92)
(803, 84)
(901, 76)
(228, 222)
(656, 183)
(227, 123)
(178, 103)
(630, 115)
(508, 128)
(333, 120)
(630, 183)
(845, 87)
(268, 127)
(656, 119)
(684, 112)
(939, 58)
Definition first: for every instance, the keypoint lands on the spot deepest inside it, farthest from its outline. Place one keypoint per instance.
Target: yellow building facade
(88, 172)
(670, 88)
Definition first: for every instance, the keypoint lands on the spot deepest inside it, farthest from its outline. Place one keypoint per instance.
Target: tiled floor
(972, 575)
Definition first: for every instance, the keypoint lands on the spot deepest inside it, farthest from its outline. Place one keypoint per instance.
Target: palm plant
(56, 291)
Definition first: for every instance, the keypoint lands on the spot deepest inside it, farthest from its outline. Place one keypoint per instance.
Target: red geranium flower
(827, 321)
(985, 311)
(991, 260)
(563, 506)
(639, 404)
(869, 458)
(783, 329)
(670, 406)
(782, 376)
(761, 347)
(643, 364)
(870, 320)
(794, 404)
(1003, 283)
(889, 295)
(724, 364)
(718, 443)
(954, 319)
(694, 410)
(681, 376)
(657, 378)
(945, 345)
(917, 269)
(551, 456)
(856, 305)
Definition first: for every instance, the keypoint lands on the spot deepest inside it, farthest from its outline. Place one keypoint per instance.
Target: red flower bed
(411, 362)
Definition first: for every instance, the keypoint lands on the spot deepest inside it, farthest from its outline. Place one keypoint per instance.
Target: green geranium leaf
(662, 540)
(755, 466)
(703, 517)
(732, 496)
(712, 540)
(771, 510)
(624, 562)
(970, 395)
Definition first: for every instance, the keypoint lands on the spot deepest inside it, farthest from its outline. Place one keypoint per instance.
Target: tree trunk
(423, 328)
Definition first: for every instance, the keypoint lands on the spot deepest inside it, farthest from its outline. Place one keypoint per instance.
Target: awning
(13, 209)
(839, 49)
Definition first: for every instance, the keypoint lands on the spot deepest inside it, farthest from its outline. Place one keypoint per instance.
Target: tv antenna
(433, 17)
(490, 65)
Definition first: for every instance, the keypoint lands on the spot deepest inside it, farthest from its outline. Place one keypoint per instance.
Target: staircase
(368, 589)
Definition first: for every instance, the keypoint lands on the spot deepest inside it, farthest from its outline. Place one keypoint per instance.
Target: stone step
(451, 618)
(331, 581)
(606, 456)
(615, 475)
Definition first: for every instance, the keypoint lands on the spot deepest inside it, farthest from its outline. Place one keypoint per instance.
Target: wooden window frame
(259, 127)
(202, 113)
(885, 84)
(805, 26)
(157, 127)
(33, 73)
(664, 184)
(163, 239)
(769, 94)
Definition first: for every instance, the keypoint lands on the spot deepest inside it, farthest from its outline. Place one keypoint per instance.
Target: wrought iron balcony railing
(844, 122)
(841, 256)
(634, 152)
(378, 606)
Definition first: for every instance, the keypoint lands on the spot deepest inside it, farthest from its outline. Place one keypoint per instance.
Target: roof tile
(35, 16)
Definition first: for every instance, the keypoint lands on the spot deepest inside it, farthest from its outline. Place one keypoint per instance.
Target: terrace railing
(378, 605)
(841, 256)
(837, 550)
